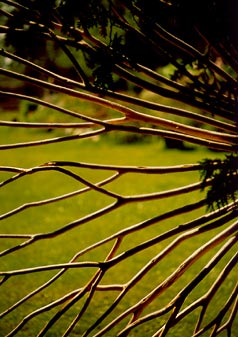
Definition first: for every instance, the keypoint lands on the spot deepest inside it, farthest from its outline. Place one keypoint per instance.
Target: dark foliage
(224, 180)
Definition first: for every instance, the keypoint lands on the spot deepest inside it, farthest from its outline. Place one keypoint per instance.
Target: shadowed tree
(149, 70)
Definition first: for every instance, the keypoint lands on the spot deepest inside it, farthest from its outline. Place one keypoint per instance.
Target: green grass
(60, 249)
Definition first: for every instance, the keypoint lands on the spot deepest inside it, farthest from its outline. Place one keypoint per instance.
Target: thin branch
(46, 125)
(71, 57)
(159, 218)
(55, 199)
(38, 269)
(65, 228)
(45, 308)
(129, 169)
(204, 300)
(217, 320)
(177, 301)
(126, 98)
(41, 142)
(133, 114)
(94, 287)
(229, 323)
(170, 280)
(91, 121)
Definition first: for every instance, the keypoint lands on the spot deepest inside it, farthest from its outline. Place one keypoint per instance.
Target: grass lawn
(61, 248)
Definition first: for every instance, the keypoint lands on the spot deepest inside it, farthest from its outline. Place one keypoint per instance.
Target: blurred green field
(60, 249)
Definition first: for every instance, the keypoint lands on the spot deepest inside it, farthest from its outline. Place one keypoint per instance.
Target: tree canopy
(127, 34)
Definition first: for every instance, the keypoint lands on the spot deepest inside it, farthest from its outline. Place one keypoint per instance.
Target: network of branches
(161, 69)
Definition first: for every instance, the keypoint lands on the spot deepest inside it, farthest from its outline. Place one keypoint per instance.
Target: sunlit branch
(218, 319)
(68, 227)
(122, 97)
(137, 116)
(129, 169)
(86, 134)
(52, 267)
(92, 287)
(45, 308)
(92, 122)
(178, 300)
(168, 234)
(55, 199)
(171, 279)
(204, 300)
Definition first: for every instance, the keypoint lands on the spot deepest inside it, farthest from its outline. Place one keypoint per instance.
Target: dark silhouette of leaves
(224, 180)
